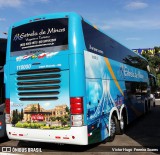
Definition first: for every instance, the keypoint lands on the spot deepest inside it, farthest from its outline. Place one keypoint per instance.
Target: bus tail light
(76, 104)
(7, 104)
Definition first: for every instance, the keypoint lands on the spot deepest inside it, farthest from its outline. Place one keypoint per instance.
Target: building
(141, 50)
(36, 112)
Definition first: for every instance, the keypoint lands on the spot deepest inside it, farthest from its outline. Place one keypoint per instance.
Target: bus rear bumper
(75, 135)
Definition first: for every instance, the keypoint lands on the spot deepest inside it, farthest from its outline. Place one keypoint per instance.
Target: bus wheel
(112, 129)
(121, 124)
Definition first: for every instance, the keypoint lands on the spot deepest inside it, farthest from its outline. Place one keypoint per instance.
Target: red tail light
(7, 103)
(76, 105)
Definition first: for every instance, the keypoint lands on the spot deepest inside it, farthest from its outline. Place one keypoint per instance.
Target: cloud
(38, 1)
(2, 19)
(136, 5)
(18, 3)
(44, 1)
(10, 3)
(134, 24)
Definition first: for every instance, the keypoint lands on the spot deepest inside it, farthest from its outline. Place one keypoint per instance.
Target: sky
(134, 23)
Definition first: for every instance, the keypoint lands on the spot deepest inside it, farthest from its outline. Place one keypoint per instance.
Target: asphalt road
(143, 134)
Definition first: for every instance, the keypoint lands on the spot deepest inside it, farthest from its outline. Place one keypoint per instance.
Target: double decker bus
(3, 44)
(68, 82)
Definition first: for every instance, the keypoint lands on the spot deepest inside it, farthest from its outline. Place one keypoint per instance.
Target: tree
(33, 108)
(67, 109)
(157, 50)
(154, 62)
(158, 79)
(21, 115)
(15, 117)
(53, 119)
(67, 117)
(63, 121)
(58, 119)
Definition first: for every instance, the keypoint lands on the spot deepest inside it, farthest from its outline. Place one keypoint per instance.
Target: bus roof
(44, 17)
(116, 40)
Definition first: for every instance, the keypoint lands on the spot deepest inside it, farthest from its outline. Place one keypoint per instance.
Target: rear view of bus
(44, 77)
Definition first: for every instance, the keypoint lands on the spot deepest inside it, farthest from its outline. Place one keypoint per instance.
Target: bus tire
(121, 124)
(112, 128)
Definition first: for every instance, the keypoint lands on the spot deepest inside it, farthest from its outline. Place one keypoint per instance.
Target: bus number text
(23, 67)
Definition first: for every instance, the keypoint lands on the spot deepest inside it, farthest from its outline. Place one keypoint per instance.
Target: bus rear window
(40, 36)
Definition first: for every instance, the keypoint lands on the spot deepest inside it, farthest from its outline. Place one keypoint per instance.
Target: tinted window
(45, 34)
(99, 43)
(136, 88)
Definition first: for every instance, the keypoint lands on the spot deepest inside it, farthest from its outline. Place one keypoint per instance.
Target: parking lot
(144, 133)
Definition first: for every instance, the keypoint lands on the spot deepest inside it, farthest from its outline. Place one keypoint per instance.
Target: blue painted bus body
(103, 94)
